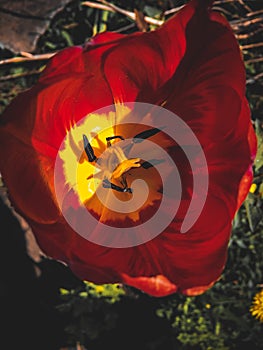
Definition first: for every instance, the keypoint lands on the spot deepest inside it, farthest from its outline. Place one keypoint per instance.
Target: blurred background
(42, 304)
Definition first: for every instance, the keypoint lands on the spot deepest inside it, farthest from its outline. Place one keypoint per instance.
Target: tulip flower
(61, 149)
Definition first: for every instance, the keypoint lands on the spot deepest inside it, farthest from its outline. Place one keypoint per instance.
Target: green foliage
(259, 157)
(90, 309)
(193, 326)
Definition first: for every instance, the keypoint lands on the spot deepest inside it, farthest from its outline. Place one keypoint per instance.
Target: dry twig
(44, 56)
(20, 75)
(104, 5)
(254, 60)
(251, 46)
(255, 78)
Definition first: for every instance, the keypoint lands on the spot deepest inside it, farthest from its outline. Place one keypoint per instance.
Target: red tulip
(191, 66)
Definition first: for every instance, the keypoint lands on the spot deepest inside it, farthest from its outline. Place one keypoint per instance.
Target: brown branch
(122, 29)
(114, 8)
(244, 5)
(104, 5)
(131, 14)
(222, 10)
(255, 13)
(237, 25)
(243, 23)
(248, 35)
(254, 60)
(255, 78)
(173, 10)
(251, 46)
(20, 75)
(44, 56)
(98, 6)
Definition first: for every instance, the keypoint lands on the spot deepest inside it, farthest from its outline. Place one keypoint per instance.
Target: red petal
(192, 65)
(157, 286)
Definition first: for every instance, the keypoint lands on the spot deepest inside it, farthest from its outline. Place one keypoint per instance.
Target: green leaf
(259, 157)
(67, 37)
(152, 11)
(253, 211)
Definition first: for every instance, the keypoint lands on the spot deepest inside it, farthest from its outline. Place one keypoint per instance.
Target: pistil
(114, 164)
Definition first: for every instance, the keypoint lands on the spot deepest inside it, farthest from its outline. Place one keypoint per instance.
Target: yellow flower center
(99, 167)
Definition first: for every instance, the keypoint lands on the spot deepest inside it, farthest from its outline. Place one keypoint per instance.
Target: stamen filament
(107, 184)
(145, 135)
(108, 139)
